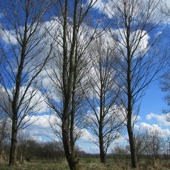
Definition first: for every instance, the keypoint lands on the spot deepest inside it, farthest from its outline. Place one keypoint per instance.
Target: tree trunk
(12, 157)
(130, 132)
(132, 147)
(70, 155)
(101, 143)
(129, 108)
(102, 153)
(130, 96)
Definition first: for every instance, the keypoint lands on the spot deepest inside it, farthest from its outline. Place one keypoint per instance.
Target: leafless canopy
(24, 54)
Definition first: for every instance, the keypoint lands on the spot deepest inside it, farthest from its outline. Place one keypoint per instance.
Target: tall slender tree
(23, 58)
(140, 58)
(104, 120)
(68, 69)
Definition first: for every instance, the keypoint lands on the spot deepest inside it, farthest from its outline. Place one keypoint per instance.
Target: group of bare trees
(96, 76)
(68, 70)
(150, 144)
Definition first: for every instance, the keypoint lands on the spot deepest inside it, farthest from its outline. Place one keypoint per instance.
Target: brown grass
(89, 164)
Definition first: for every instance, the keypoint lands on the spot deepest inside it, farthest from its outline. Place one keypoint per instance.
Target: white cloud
(35, 99)
(113, 8)
(8, 36)
(53, 88)
(163, 119)
(40, 130)
(105, 7)
(152, 128)
(167, 2)
(138, 41)
(86, 136)
(42, 121)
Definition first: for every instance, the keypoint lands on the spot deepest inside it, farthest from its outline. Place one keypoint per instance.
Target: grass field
(88, 164)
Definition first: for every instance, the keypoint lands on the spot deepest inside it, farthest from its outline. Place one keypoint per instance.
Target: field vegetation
(32, 155)
(115, 163)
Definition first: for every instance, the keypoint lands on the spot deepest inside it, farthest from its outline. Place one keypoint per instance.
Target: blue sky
(150, 112)
(153, 100)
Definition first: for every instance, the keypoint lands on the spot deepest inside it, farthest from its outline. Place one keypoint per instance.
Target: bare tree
(120, 151)
(23, 58)
(140, 58)
(4, 127)
(154, 141)
(23, 139)
(104, 119)
(150, 143)
(141, 143)
(72, 37)
(4, 135)
(167, 147)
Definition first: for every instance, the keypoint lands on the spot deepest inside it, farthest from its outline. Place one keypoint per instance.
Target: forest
(86, 65)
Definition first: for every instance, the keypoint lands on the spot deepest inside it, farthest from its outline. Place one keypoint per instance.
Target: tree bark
(102, 153)
(101, 142)
(13, 147)
(132, 146)
(69, 153)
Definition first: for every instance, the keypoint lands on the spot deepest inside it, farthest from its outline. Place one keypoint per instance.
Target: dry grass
(36, 166)
(89, 164)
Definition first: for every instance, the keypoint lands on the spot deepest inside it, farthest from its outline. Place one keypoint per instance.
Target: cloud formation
(152, 128)
(40, 130)
(161, 119)
(8, 36)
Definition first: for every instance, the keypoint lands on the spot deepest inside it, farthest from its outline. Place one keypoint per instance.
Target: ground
(89, 164)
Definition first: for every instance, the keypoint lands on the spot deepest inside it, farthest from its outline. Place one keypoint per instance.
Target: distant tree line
(149, 145)
(31, 150)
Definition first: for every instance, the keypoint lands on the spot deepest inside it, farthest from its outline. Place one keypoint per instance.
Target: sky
(150, 116)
